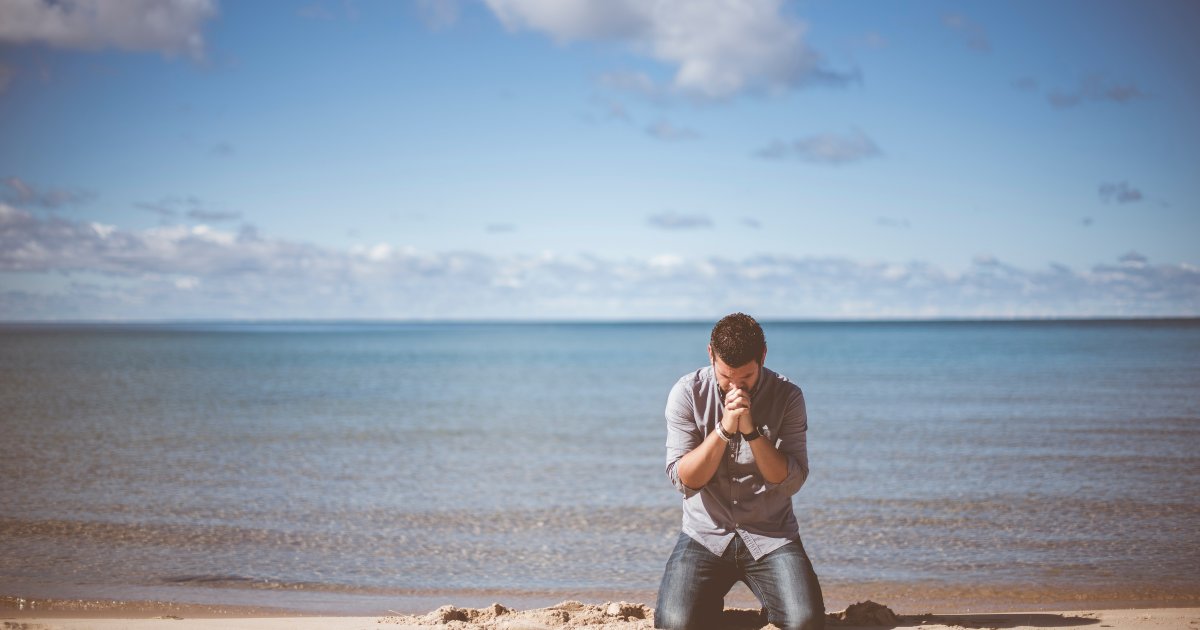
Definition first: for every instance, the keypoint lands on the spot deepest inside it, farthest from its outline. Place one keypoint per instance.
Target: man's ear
(763, 360)
(710, 354)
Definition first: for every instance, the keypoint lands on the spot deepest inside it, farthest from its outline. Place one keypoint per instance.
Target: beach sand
(606, 616)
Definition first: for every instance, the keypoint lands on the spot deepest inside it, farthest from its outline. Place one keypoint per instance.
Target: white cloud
(716, 48)
(567, 20)
(102, 229)
(199, 271)
(665, 262)
(168, 26)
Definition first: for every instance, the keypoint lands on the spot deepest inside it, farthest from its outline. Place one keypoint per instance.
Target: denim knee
(670, 617)
(806, 619)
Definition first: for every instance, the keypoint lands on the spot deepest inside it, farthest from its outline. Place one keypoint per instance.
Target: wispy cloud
(1133, 258)
(610, 110)
(171, 27)
(439, 14)
(827, 148)
(872, 40)
(716, 49)
(751, 222)
(1119, 192)
(197, 271)
(215, 216)
(23, 193)
(1027, 84)
(975, 35)
(1094, 89)
(500, 228)
(638, 83)
(223, 149)
(7, 74)
(668, 132)
(678, 221)
(318, 10)
(191, 207)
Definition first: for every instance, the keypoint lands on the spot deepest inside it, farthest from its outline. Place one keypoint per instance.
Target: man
(736, 449)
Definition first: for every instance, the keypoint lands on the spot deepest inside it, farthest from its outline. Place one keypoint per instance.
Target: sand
(573, 615)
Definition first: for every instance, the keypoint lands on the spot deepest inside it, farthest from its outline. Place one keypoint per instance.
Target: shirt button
(735, 502)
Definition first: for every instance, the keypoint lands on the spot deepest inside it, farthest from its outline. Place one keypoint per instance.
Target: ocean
(354, 468)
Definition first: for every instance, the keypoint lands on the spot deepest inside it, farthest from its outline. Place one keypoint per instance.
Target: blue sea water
(340, 466)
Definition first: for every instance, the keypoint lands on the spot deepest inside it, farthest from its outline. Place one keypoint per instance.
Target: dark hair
(737, 339)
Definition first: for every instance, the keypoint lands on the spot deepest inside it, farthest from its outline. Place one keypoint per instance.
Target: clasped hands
(737, 412)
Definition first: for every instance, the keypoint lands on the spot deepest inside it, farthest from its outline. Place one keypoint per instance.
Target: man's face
(728, 377)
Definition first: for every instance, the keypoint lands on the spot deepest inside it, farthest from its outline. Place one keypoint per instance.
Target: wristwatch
(753, 435)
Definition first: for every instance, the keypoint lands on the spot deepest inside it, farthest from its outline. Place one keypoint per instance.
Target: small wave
(239, 581)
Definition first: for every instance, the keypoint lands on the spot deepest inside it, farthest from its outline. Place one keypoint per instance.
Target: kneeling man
(736, 449)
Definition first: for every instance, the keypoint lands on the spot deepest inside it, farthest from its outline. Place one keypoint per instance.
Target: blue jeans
(694, 585)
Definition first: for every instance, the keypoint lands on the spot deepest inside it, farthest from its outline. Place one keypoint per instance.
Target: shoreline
(28, 600)
(607, 616)
(26, 607)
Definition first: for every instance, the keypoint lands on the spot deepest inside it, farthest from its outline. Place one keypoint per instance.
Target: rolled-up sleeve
(792, 442)
(682, 433)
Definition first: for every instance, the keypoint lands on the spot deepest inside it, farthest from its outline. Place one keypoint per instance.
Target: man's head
(737, 349)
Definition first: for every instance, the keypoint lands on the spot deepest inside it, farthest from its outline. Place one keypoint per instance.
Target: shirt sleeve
(792, 442)
(682, 433)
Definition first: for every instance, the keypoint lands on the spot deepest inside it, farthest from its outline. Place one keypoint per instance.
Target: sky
(598, 160)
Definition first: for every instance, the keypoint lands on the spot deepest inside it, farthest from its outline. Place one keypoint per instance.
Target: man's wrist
(722, 433)
(752, 435)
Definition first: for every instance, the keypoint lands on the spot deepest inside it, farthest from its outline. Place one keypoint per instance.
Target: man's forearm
(772, 465)
(700, 464)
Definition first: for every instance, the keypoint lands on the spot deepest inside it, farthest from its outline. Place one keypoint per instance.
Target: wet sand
(573, 615)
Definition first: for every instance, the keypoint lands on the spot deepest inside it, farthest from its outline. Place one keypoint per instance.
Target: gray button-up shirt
(737, 499)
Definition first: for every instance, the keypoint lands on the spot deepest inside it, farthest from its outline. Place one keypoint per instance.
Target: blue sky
(598, 160)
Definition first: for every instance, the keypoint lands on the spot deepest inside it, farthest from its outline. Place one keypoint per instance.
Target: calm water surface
(343, 466)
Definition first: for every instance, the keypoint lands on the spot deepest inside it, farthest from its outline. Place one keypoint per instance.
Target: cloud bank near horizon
(78, 270)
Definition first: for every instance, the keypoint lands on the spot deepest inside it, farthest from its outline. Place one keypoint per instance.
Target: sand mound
(866, 613)
(572, 614)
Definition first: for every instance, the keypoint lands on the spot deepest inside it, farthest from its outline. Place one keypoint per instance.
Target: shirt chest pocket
(740, 459)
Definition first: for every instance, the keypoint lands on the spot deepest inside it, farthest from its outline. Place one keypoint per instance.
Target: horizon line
(584, 321)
